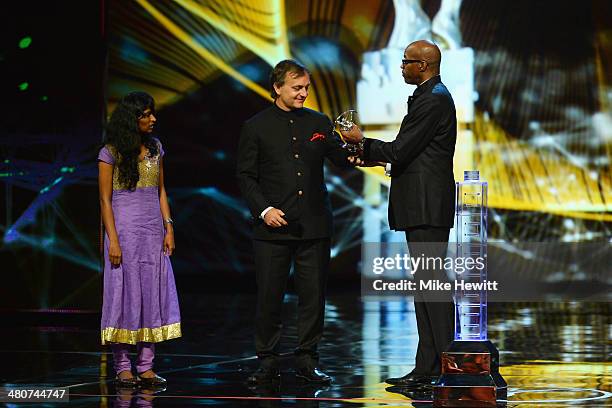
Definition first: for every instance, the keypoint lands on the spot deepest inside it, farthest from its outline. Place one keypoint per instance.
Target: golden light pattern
(530, 385)
(528, 179)
(259, 26)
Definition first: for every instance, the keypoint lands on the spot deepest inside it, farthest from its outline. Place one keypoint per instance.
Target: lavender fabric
(141, 292)
(121, 358)
(145, 353)
(106, 156)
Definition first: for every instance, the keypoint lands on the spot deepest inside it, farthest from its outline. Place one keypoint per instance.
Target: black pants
(273, 261)
(435, 311)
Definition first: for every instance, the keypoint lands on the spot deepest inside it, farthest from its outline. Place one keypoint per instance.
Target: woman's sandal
(126, 382)
(155, 381)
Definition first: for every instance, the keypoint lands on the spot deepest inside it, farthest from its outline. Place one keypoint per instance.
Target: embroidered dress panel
(148, 170)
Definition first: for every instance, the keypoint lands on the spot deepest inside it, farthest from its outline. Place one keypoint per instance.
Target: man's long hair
(123, 135)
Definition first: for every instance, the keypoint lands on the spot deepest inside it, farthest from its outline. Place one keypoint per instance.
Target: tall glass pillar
(470, 367)
(471, 241)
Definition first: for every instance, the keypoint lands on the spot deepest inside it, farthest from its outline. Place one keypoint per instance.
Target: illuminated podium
(470, 368)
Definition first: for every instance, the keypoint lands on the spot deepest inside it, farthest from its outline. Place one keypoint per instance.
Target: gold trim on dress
(148, 170)
(149, 335)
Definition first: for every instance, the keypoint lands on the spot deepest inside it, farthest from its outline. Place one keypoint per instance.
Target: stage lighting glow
(47, 188)
(24, 86)
(25, 42)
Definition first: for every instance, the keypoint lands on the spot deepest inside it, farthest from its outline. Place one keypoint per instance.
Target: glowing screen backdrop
(531, 81)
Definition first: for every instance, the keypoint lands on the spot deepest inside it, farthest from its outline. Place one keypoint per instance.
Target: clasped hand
(274, 218)
(355, 136)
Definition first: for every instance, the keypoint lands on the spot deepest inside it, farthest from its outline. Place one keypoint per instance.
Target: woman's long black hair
(123, 135)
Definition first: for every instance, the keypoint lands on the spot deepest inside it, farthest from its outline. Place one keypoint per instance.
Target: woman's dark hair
(278, 74)
(123, 135)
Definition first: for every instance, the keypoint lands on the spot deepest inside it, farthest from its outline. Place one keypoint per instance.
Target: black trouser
(272, 265)
(435, 311)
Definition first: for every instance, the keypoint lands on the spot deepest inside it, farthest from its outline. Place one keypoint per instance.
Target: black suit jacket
(280, 164)
(421, 156)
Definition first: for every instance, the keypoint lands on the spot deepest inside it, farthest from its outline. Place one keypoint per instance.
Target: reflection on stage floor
(552, 355)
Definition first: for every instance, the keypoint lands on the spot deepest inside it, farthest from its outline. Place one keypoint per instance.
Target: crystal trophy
(470, 367)
(345, 121)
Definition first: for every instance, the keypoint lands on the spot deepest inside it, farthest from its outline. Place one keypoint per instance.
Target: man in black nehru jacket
(280, 174)
(422, 196)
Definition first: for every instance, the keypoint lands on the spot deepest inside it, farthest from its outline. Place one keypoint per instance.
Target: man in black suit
(422, 195)
(280, 174)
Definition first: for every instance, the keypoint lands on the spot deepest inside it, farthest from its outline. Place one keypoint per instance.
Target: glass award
(345, 122)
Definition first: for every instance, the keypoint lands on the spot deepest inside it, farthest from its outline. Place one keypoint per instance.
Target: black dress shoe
(419, 394)
(412, 380)
(264, 376)
(155, 381)
(313, 375)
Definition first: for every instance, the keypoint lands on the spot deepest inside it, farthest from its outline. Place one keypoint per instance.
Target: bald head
(425, 60)
(428, 52)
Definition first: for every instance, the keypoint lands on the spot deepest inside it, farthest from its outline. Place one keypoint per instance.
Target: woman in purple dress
(140, 304)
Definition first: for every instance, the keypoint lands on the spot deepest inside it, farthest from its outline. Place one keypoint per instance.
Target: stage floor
(552, 355)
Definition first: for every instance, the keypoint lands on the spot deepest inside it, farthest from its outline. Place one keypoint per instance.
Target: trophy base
(470, 376)
(465, 390)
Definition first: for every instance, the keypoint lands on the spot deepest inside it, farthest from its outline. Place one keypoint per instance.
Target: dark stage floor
(552, 355)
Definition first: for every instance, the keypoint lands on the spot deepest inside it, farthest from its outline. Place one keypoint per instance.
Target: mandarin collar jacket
(280, 164)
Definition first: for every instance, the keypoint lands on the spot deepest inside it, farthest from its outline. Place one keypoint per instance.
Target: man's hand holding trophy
(353, 138)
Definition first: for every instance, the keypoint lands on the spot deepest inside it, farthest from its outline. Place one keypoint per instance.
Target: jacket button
(300, 192)
(299, 173)
(297, 156)
(290, 120)
(294, 138)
